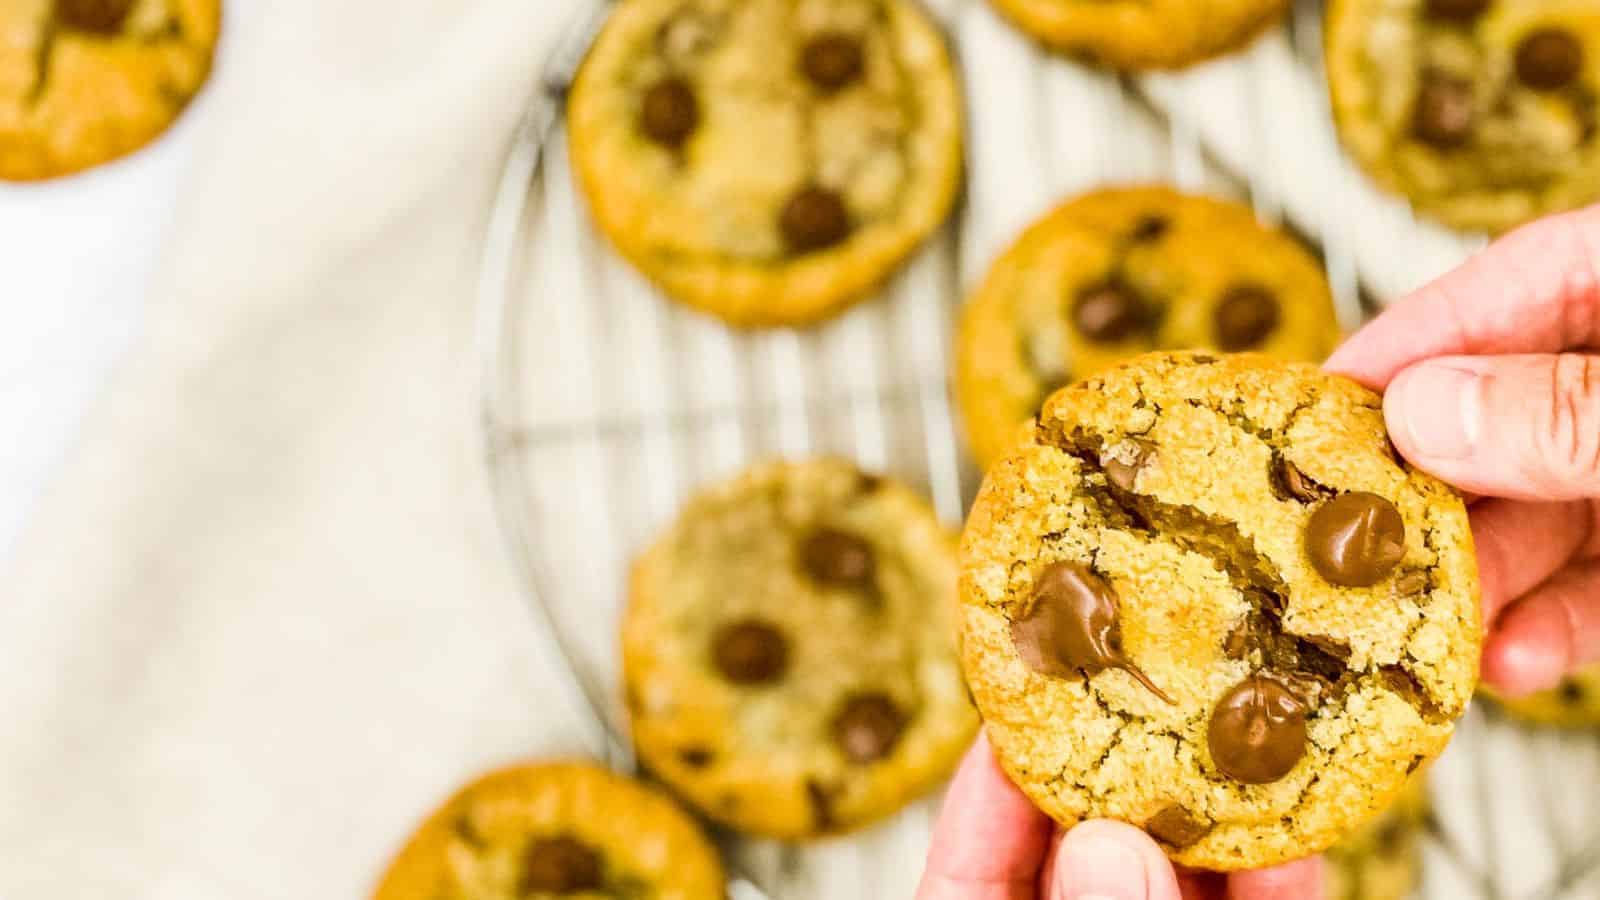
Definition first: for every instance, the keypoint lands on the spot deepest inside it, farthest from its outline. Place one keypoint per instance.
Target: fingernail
(1099, 867)
(1440, 409)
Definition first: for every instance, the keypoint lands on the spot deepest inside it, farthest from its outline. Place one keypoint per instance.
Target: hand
(992, 844)
(1481, 392)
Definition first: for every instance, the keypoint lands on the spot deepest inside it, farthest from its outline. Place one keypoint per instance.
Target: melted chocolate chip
(1295, 484)
(835, 558)
(1258, 731)
(560, 865)
(832, 60)
(1150, 228)
(1072, 626)
(1108, 312)
(1412, 584)
(1355, 539)
(670, 112)
(1571, 691)
(868, 726)
(1123, 469)
(95, 16)
(1456, 10)
(750, 652)
(815, 218)
(1445, 111)
(1177, 826)
(696, 757)
(1549, 59)
(1245, 316)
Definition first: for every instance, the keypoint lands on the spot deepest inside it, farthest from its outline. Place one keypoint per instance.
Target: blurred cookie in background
(1382, 861)
(1147, 34)
(1574, 703)
(788, 650)
(569, 829)
(83, 82)
(1482, 112)
(1116, 272)
(767, 161)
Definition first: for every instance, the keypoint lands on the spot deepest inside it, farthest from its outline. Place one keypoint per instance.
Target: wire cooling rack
(604, 405)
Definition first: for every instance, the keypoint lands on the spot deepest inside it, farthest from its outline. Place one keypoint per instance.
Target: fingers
(990, 841)
(1296, 880)
(1520, 544)
(1546, 634)
(1105, 860)
(1524, 427)
(1535, 290)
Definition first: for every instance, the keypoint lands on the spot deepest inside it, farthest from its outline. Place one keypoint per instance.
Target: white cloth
(263, 621)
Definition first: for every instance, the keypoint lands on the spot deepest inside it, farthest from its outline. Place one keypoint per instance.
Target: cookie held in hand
(1281, 616)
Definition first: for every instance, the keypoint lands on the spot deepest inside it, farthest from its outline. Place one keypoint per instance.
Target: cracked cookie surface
(1121, 271)
(1574, 703)
(555, 829)
(767, 161)
(1382, 861)
(83, 82)
(1143, 34)
(788, 650)
(1190, 484)
(1482, 112)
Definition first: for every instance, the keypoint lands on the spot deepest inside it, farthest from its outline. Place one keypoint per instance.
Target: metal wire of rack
(604, 405)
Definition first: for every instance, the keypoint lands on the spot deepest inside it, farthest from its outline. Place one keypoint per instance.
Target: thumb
(1525, 427)
(1106, 860)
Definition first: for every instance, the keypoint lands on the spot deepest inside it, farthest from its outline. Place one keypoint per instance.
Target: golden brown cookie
(767, 161)
(83, 82)
(1206, 597)
(1117, 272)
(567, 829)
(1143, 34)
(1574, 703)
(788, 650)
(1482, 112)
(1383, 860)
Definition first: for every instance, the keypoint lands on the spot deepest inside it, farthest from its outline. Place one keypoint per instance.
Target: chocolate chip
(1456, 10)
(1245, 316)
(1108, 312)
(696, 757)
(1150, 228)
(560, 865)
(1258, 731)
(835, 558)
(1571, 691)
(467, 832)
(750, 652)
(868, 726)
(1295, 483)
(97, 16)
(1355, 539)
(670, 112)
(832, 60)
(1445, 110)
(868, 482)
(815, 218)
(1414, 583)
(1406, 685)
(1073, 626)
(1549, 59)
(821, 798)
(1123, 468)
(1177, 826)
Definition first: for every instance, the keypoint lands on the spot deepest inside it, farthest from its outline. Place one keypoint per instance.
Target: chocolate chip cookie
(1574, 703)
(767, 161)
(557, 829)
(1143, 34)
(1383, 860)
(83, 82)
(1482, 112)
(1117, 272)
(788, 650)
(1206, 597)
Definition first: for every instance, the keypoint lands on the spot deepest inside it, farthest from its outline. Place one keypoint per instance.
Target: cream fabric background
(263, 623)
